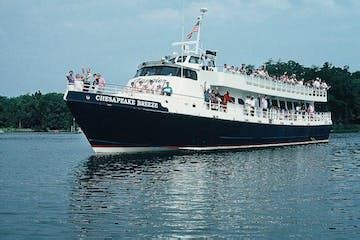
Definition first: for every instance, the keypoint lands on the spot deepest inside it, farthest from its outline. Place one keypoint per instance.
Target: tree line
(49, 112)
(40, 112)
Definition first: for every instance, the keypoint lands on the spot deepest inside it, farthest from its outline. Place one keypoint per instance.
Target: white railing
(270, 115)
(109, 89)
(273, 84)
(230, 110)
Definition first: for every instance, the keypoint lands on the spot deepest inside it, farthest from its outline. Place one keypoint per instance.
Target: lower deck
(124, 126)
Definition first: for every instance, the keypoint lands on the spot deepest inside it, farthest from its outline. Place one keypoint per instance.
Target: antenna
(203, 10)
(200, 18)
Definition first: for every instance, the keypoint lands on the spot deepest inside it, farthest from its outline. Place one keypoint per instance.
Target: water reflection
(250, 193)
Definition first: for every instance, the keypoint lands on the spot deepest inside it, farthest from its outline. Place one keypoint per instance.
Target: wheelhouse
(166, 70)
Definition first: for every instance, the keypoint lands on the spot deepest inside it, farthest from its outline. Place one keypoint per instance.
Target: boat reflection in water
(129, 194)
(228, 194)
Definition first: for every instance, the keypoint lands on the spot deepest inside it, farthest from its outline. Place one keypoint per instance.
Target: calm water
(51, 187)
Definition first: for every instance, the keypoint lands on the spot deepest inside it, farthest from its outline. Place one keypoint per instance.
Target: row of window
(285, 104)
(166, 71)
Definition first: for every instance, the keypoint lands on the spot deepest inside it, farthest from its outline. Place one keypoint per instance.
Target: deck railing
(273, 84)
(285, 87)
(271, 115)
(247, 112)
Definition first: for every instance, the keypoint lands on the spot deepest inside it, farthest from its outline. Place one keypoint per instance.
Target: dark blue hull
(128, 125)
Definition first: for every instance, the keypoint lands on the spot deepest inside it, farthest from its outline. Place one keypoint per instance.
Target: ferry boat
(163, 107)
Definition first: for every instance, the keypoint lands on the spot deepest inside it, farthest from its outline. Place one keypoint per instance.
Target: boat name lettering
(110, 99)
(127, 101)
(147, 104)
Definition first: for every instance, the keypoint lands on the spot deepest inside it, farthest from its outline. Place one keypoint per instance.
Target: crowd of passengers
(213, 96)
(86, 80)
(151, 87)
(284, 78)
(251, 103)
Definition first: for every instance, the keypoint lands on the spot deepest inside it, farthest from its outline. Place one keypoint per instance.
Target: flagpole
(198, 36)
(200, 18)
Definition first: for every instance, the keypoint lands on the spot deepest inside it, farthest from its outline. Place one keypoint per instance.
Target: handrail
(115, 89)
(271, 83)
(284, 87)
(245, 111)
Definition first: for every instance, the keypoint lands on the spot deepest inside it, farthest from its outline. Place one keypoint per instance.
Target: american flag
(194, 29)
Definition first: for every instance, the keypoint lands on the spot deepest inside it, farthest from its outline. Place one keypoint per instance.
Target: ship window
(274, 103)
(190, 74)
(168, 71)
(158, 70)
(181, 59)
(288, 105)
(172, 60)
(282, 105)
(194, 59)
(240, 101)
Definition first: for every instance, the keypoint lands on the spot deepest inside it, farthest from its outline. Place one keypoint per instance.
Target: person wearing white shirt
(252, 105)
(205, 63)
(264, 103)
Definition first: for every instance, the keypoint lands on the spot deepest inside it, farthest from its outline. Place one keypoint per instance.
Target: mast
(185, 45)
(200, 18)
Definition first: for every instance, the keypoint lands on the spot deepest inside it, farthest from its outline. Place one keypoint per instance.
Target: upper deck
(234, 82)
(264, 86)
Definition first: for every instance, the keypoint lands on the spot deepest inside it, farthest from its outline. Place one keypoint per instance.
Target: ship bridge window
(190, 74)
(166, 71)
(181, 59)
(194, 60)
(158, 70)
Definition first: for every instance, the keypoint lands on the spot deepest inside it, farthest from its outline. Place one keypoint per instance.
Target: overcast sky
(41, 40)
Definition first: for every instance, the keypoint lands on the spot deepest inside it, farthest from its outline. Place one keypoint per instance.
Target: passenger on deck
(87, 78)
(247, 104)
(243, 69)
(207, 95)
(252, 105)
(139, 86)
(167, 90)
(227, 98)
(150, 87)
(311, 110)
(102, 82)
(95, 82)
(205, 63)
(70, 77)
(316, 83)
(79, 81)
(264, 103)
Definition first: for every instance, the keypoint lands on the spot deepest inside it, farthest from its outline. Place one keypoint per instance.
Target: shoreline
(29, 130)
